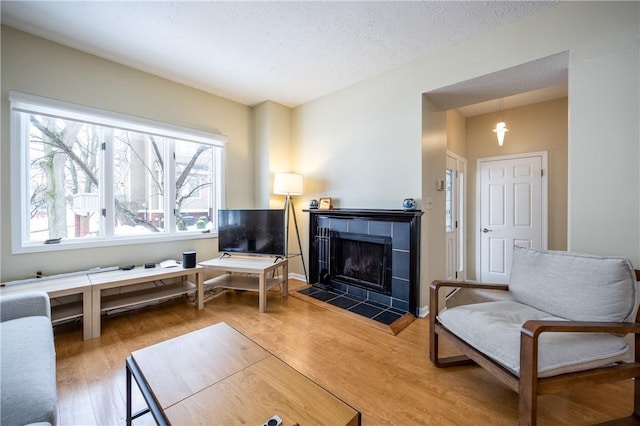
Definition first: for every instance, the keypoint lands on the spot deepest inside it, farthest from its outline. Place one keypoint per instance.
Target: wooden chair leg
(527, 406)
(636, 380)
(636, 396)
(433, 343)
(528, 381)
(450, 361)
(434, 337)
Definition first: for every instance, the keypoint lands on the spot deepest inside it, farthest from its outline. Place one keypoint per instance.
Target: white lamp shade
(287, 183)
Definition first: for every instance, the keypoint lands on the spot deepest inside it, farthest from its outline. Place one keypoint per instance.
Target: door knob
(485, 230)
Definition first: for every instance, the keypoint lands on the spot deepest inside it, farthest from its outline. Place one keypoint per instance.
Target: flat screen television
(256, 232)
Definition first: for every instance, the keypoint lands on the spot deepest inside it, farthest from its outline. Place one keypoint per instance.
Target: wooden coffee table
(218, 376)
(261, 278)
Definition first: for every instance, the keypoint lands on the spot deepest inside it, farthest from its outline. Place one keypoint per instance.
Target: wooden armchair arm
(468, 284)
(533, 328)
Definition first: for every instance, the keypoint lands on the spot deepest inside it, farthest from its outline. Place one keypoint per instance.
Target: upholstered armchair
(562, 325)
(28, 393)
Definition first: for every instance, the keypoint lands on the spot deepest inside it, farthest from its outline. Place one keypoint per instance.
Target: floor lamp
(289, 184)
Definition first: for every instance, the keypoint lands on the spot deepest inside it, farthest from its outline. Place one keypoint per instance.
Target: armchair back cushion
(574, 286)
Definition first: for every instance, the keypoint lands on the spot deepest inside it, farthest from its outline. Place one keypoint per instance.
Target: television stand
(257, 269)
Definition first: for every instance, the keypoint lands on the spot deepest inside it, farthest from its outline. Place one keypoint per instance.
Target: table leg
(285, 279)
(87, 317)
(200, 288)
(147, 394)
(95, 312)
(262, 292)
(129, 419)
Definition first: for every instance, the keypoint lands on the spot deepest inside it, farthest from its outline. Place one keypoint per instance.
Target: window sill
(122, 241)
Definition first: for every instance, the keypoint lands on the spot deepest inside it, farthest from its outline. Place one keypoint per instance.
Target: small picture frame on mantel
(325, 204)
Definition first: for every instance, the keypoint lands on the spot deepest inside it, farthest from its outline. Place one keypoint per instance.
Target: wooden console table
(59, 287)
(141, 275)
(90, 286)
(258, 280)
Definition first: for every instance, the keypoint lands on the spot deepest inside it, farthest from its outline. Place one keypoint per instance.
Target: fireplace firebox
(361, 260)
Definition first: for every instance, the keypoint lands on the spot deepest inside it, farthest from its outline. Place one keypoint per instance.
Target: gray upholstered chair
(27, 361)
(562, 326)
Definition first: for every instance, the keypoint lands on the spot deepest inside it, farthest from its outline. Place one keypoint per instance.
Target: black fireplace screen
(361, 260)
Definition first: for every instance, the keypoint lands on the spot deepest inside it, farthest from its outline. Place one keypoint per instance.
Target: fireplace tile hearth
(343, 302)
(366, 310)
(350, 302)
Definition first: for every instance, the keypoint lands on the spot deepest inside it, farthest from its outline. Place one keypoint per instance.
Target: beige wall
(434, 150)
(456, 133)
(532, 128)
(272, 126)
(261, 138)
(370, 145)
(36, 66)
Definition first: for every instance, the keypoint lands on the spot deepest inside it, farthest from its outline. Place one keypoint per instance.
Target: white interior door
(512, 211)
(454, 217)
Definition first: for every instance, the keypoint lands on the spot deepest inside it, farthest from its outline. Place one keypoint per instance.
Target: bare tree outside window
(66, 201)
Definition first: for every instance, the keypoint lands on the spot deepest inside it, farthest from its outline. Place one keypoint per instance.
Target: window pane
(194, 184)
(138, 178)
(449, 200)
(64, 200)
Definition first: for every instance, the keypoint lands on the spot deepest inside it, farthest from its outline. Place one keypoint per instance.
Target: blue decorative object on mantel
(313, 204)
(409, 204)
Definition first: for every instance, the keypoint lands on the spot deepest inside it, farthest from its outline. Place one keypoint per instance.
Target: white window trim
(19, 174)
(47, 106)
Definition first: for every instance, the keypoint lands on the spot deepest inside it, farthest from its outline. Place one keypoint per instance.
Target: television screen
(259, 232)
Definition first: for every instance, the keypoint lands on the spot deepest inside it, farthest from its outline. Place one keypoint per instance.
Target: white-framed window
(84, 177)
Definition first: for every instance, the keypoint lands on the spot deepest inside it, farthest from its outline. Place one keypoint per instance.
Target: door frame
(545, 199)
(460, 214)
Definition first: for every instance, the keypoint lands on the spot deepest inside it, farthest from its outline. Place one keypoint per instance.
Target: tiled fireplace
(372, 255)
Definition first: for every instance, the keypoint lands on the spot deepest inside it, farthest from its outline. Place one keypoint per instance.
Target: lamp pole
(289, 184)
(288, 206)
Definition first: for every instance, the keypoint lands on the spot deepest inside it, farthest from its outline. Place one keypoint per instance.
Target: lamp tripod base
(289, 207)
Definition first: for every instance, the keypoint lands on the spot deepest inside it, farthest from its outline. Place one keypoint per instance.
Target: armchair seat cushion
(493, 328)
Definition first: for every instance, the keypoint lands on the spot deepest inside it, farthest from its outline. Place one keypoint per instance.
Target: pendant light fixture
(501, 127)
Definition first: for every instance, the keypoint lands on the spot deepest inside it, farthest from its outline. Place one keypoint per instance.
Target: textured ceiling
(536, 81)
(287, 52)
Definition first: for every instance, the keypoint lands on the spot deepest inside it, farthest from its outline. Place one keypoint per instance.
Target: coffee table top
(254, 264)
(217, 375)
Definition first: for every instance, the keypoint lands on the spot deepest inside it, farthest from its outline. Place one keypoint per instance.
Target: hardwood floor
(389, 379)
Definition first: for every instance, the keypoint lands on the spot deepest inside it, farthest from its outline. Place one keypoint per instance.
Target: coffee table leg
(262, 293)
(154, 407)
(128, 394)
(285, 279)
